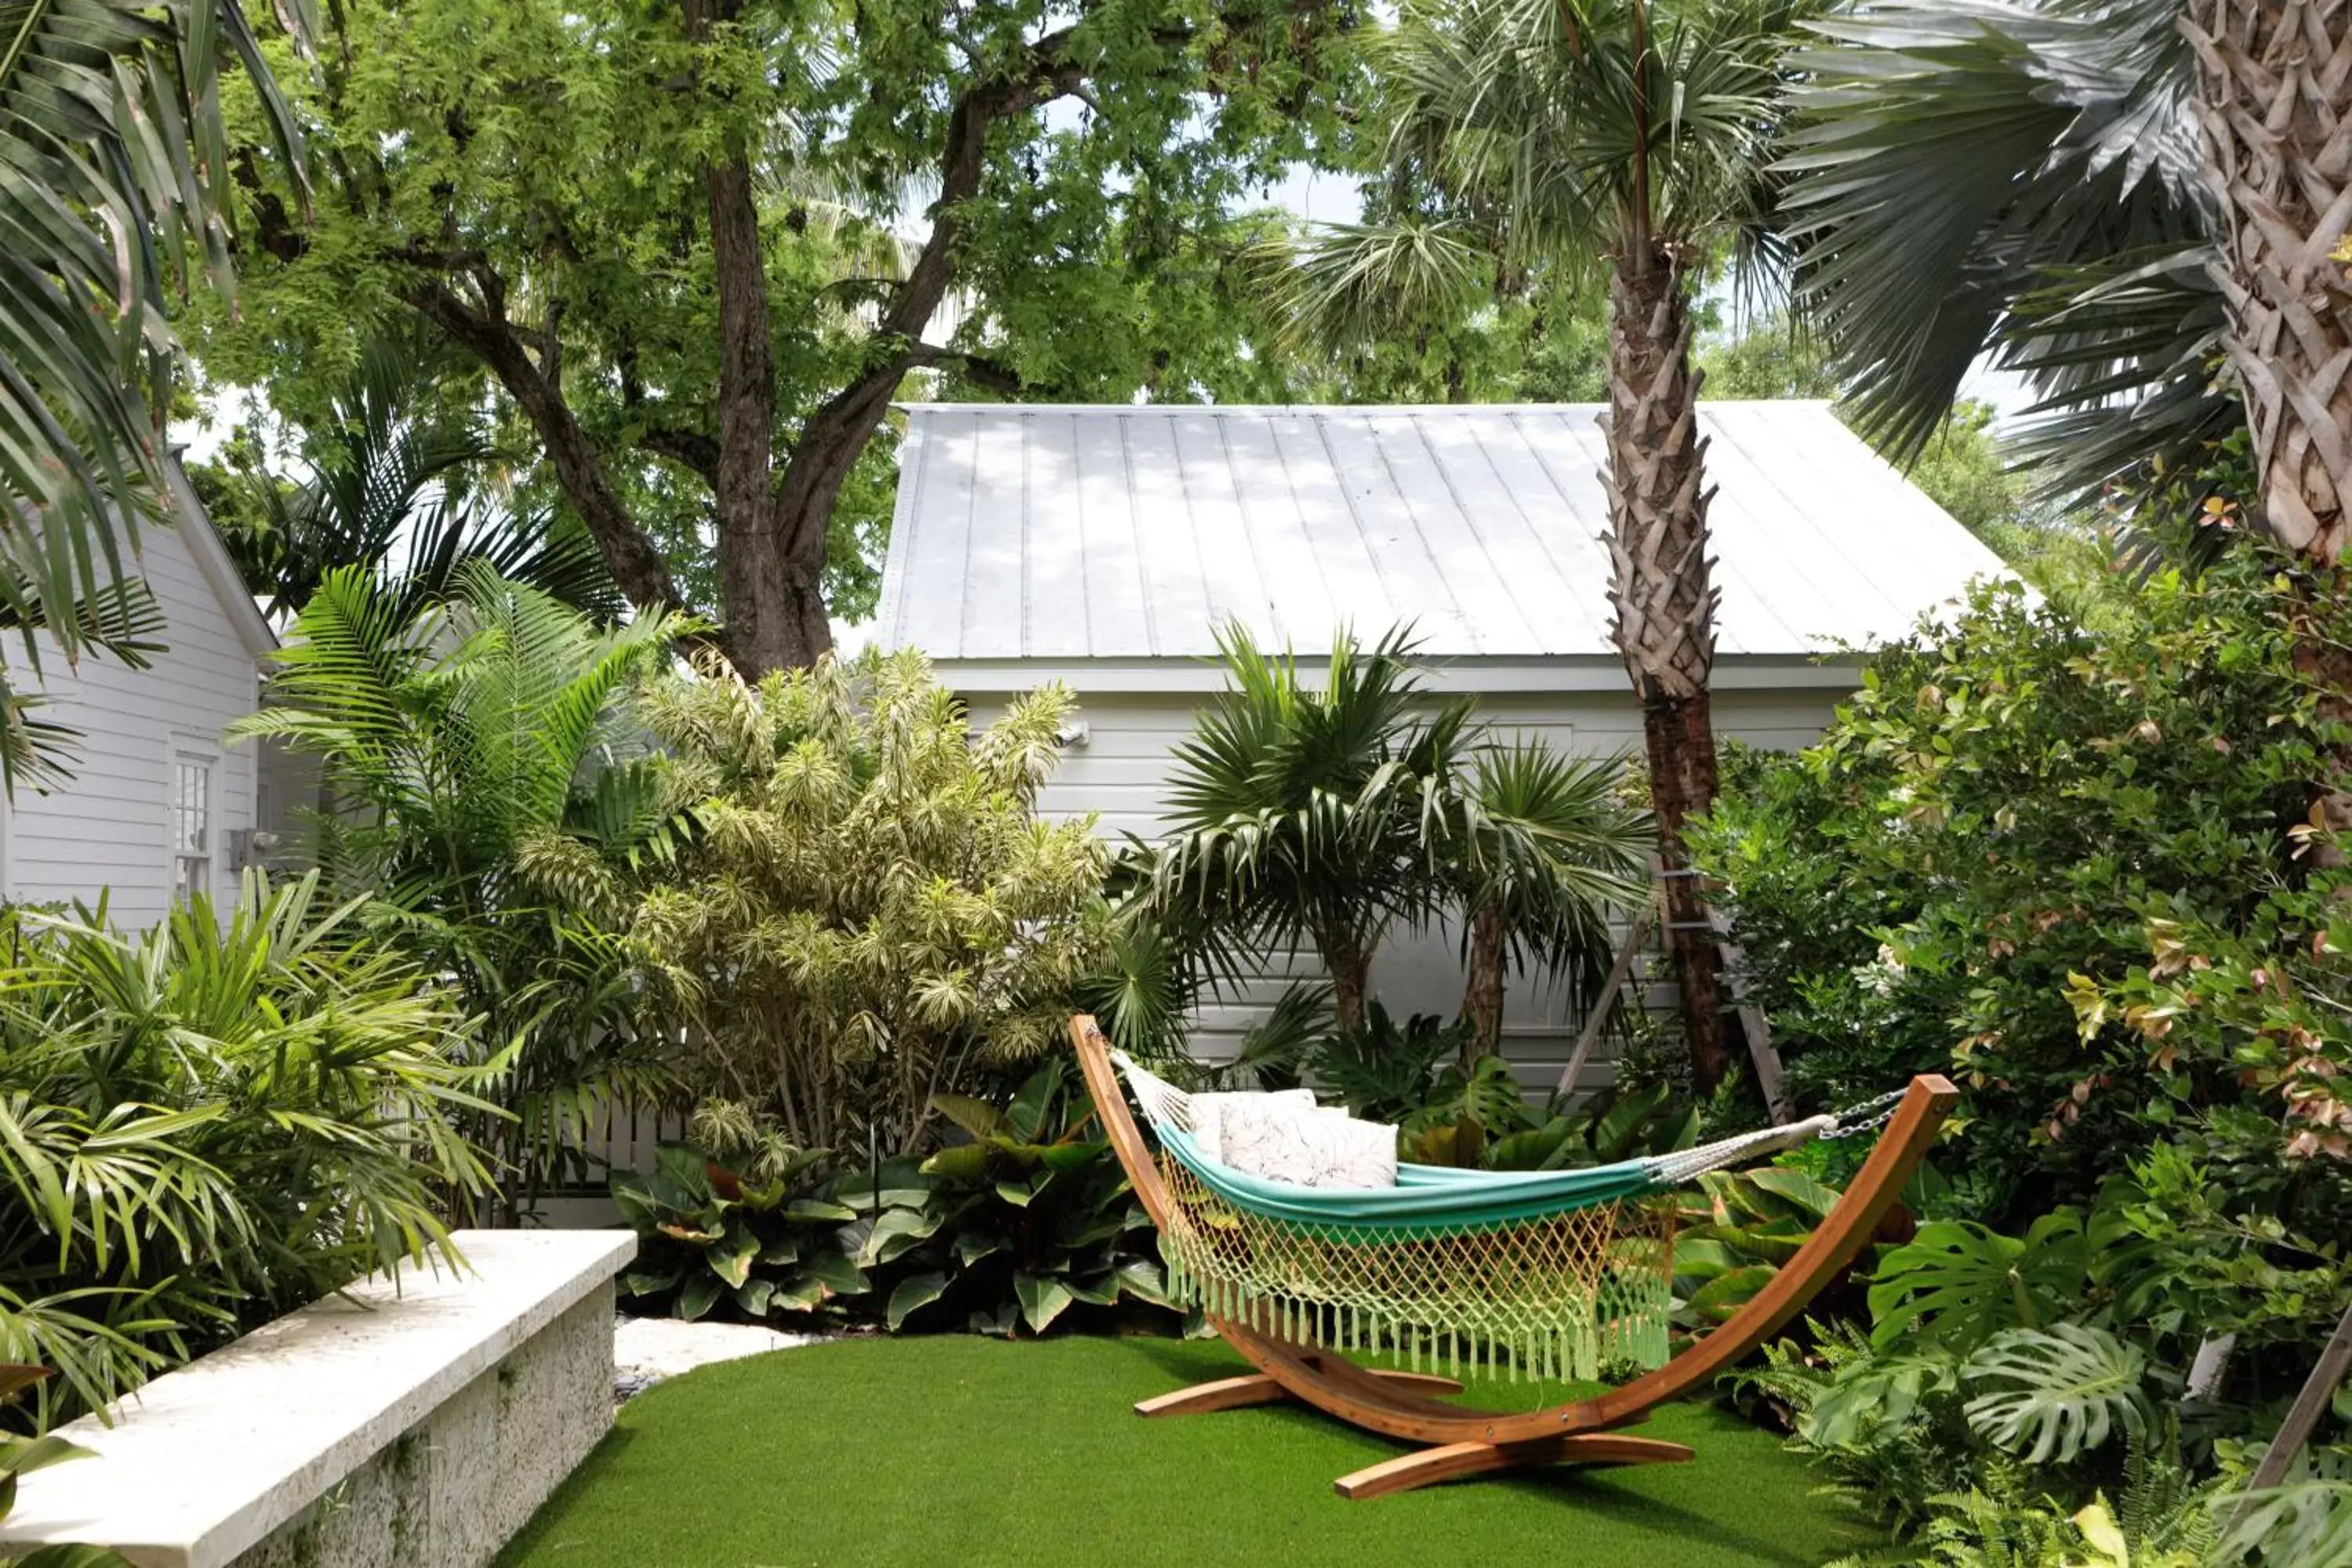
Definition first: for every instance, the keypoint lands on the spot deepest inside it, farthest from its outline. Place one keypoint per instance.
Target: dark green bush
(1982, 840)
(205, 1124)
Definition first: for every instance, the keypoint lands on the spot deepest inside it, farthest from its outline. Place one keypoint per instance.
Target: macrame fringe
(1562, 1297)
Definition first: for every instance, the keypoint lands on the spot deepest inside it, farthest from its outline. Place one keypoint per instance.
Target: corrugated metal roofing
(1121, 532)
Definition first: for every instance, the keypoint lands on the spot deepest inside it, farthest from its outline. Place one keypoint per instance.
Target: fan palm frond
(2067, 232)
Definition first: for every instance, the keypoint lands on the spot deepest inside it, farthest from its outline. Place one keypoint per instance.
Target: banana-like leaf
(912, 1293)
(1041, 1299)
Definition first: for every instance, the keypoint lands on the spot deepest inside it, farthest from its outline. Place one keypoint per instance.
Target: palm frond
(115, 165)
(2051, 136)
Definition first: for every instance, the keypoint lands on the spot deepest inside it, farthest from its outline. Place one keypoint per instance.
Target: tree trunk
(1665, 626)
(1482, 996)
(1351, 963)
(2274, 99)
(771, 602)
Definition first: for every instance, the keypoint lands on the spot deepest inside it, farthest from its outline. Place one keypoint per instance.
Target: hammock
(1553, 1273)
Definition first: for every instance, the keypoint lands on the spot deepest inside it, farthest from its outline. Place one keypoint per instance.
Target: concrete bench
(416, 1426)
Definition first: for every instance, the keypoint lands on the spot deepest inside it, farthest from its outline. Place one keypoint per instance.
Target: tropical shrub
(488, 787)
(1995, 818)
(1011, 1228)
(204, 1124)
(869, 914)
(1320, 816)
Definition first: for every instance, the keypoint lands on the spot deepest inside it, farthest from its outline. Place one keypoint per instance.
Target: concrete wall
(456, 1486)
(408, 1423)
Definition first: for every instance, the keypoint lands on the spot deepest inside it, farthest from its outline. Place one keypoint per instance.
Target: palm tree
(1543, 853)
(1310, 816)
(390, 466)
(2126, 192)
(112, 135)
(2070, 235)
(486, 793)
(1634, 136)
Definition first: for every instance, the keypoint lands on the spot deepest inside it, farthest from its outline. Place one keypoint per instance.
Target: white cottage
(1100, 546)
(157, 802)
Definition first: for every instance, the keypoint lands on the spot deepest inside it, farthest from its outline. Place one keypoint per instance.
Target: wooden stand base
(1407, 1471)
(1426, 1466)
(1257, 1388)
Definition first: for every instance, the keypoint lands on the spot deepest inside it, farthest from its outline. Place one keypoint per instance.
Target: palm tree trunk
(1665, 627)
(1482, 995)
(2274, 98)
(1349, 960)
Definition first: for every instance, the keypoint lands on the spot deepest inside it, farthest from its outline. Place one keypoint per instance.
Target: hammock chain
(1863, 1118)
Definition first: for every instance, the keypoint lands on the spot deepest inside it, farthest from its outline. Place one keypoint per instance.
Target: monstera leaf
(1961, 1283)
(2054, 1394)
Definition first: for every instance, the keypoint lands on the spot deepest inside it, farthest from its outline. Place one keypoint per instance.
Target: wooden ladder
(1753, 1024)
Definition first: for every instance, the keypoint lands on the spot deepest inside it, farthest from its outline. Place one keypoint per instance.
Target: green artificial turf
(963, 1452)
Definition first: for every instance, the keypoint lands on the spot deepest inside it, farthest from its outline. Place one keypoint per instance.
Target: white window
(193, 835)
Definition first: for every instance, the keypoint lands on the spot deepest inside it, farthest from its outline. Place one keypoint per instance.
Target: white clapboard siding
(109, 830)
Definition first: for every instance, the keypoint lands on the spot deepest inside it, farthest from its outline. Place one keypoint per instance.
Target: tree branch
(688, 448)
(629, 555)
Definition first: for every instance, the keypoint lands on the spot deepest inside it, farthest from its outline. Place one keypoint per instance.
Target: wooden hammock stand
(1463, 1441)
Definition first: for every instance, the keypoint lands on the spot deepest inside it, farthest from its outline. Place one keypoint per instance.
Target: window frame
(186, 750)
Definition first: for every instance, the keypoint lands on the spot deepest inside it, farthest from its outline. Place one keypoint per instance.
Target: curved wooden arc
(1361, 1397)
(1452, 1460)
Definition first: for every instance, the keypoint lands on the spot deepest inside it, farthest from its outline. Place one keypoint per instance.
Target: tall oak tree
(697, 247)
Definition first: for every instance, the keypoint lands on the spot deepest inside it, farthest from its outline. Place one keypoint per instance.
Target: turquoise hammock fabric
(1425, 1198)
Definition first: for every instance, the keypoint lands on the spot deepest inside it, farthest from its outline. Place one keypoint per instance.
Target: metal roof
(1131, 531)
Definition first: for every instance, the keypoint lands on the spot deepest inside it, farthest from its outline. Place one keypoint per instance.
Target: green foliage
(1383, 1070)
(870, 913)
(2005, 805)
(1735, 1229)
(1303, 814)
(477, 753)
(1323, 816)
(22, 1456)
(206, 1123)
(706, 1235)
(1888, 1427)
(2069, 239)
(395, 484)
(1031, 1216)
(2305, 1524)
(1959, 1284)
(1026, 203)
(119, 175)
(2051, 1395)
(1013, 1228)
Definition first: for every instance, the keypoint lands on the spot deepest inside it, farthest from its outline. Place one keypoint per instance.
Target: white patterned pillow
(1209, 1114)
(1308, 1147)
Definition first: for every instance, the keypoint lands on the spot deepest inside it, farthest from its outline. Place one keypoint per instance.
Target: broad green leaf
(915, 1291)
(1724, 1294)
(730, 1256)
(1041, 1299)
(697, 1296)
(650, 1282)
(2056, 1395)
(896, 1233)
